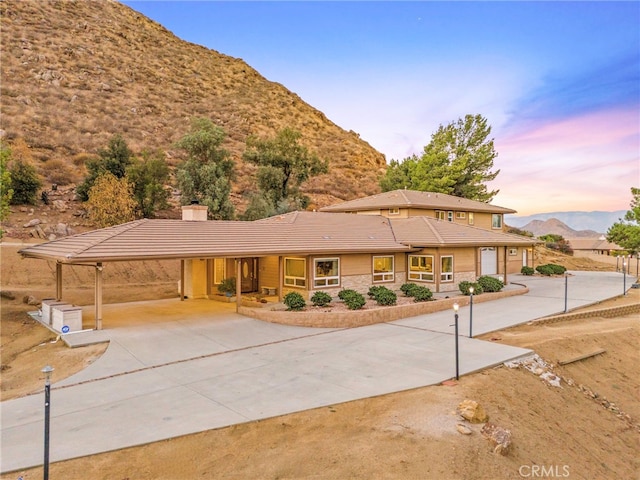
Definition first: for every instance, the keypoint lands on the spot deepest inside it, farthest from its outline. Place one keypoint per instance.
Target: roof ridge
(125, 227)
(427, 220)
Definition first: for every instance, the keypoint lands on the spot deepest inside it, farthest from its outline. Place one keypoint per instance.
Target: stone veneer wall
(358, 318)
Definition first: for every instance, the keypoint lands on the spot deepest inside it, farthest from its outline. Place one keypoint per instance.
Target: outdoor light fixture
(47, 408)
(471, 290)
(455, 309)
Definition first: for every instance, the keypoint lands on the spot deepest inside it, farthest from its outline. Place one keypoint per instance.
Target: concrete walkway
(163, 380)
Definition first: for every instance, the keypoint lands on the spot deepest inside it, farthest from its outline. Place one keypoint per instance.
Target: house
(586, 246)
(388, 239)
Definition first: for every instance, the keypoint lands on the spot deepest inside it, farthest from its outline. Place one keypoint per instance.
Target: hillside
(76, 72)
(555, 226)
(598, 221)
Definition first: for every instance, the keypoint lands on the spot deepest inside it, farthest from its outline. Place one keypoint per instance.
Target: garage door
(489, 261)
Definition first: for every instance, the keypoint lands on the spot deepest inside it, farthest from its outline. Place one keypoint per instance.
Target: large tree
(205, 176)
(111, 201)
(626, 232)
(114, 159)
(284, 164)
(457, 161)
(149, 175)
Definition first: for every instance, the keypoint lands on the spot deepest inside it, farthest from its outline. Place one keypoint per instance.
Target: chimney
(194, 212)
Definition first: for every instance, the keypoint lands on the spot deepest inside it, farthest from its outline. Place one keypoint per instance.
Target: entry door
(524, 257)
(489, 260)
(249, 275)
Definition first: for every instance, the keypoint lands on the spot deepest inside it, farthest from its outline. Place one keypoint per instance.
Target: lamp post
(47, 408)
(624, 278)
(455, 309)
(471, 290)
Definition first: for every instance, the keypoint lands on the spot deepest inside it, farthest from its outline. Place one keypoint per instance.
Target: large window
(440, 214)
(421, 267)
(295, 272)
(496, 220)
(446, 268)
(219, 270)
(326, 272)
(383, 269)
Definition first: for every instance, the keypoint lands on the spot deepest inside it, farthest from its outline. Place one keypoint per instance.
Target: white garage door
(489, 260)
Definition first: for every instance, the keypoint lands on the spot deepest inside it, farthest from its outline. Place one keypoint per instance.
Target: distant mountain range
(597, 222)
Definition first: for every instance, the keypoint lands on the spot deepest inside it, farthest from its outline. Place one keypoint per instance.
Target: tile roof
(295, 233)
(415, 199)
(431, 232)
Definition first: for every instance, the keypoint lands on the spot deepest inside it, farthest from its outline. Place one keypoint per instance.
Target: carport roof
(298, 233)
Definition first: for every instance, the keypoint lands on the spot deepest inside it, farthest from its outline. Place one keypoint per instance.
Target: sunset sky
(558, 82)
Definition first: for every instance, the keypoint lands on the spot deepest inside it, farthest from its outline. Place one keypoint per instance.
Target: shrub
(321, 299)
(384, 296)
(465, 285)
(421, 294)
(375, 289)
(490, 284)
(550, 269)
(407, 289)
(294, 301)
(527, 270)
(228, 285)
(24, 183)
(352, 299)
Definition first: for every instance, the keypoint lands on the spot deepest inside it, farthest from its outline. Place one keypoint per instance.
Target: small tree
(24, 183)
(115, 159)
(626, 232)
(149, 175)
(111, 201)
(6, 192)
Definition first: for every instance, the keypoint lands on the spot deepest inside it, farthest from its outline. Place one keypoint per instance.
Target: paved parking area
(161, 380)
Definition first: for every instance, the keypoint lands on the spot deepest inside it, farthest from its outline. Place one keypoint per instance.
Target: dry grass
(75, 73)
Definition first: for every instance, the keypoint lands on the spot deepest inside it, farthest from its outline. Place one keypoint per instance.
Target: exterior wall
(268, 273)
(195, 278)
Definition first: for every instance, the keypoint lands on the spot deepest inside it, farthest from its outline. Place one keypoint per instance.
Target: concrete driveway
(163, 380)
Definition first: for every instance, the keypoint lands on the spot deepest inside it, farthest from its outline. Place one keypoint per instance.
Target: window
(295, 272)
(513, 251)
(450, 216)
(383, 269)
(446, 268)
(496, 220)
(326, 272)
(394, 211)
(219, 270)
(470, 218)
(421, 267)
(461, 215)
(440, 215)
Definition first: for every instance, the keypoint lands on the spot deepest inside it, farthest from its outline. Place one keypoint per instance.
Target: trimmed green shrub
(550, 269)
(294, 301)
(421, 294)
(465, 285)
(321, 299)
(352, 299)
(407, 288)
(384, 296)
(527, 271)
(373, 290)
(490, 284)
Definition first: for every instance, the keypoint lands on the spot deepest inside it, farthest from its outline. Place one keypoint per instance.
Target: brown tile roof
(295, 233)
(415, 199)
(592, 244)
(431, 232)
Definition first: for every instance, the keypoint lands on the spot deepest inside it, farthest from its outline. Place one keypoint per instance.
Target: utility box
(47, 307)
(67, 318)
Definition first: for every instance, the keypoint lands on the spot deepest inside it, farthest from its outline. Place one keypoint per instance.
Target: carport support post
(566, 291)
(238, 282)
(98, 296)
(58, 281)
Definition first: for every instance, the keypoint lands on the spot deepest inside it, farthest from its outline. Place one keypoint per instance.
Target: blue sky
(559, 82)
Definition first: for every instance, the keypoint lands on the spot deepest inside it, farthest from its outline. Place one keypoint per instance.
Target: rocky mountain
(598, 221)
(74, 73)
(555, 226)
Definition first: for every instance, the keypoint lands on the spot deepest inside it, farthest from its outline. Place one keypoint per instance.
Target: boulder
(32, 223)
(30, 300)
(472, 411)
(500, 438)
(7, 294)
(60, 205)
(463, 429)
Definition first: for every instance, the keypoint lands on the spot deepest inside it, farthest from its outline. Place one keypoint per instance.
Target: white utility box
(67, 318)
(47, 306)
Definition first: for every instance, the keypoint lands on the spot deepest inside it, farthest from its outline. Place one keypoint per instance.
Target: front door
(249, 275)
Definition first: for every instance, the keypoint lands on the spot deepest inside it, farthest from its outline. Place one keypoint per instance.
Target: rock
(30, 300)
(7, 294)
(500, 438)
(60, 205)
(463, 429)
(32, 223)
(61, 229)
(472, 411)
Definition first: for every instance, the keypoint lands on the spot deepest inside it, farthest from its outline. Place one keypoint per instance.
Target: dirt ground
(572, 431)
